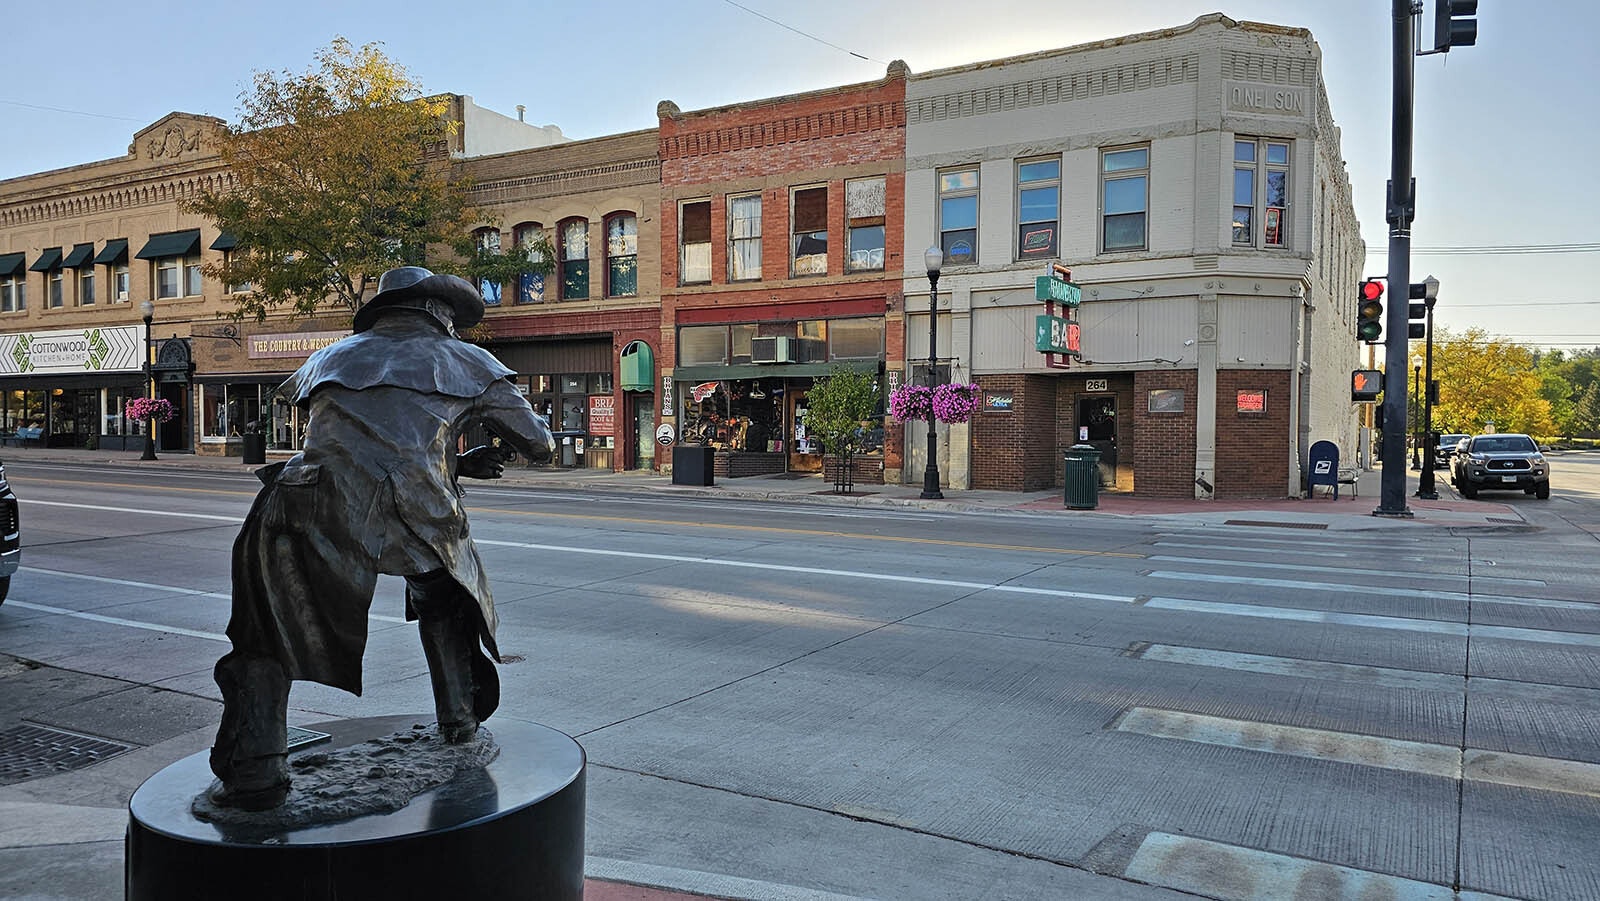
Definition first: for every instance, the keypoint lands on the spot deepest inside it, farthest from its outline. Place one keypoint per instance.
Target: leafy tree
(332, 183)
(837, 409)
(1484, 380)
(1586, 412)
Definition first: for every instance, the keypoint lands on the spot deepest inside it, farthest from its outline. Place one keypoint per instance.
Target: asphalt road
(814, 702)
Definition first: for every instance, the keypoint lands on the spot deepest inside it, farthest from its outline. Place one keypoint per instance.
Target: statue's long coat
(372, 492)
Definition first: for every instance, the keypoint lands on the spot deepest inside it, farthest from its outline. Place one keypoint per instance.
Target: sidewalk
(1351, 511)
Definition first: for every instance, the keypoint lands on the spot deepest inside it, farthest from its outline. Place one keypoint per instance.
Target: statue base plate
(512, 829)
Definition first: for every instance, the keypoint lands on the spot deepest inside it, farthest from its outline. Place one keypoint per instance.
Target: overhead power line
(73, 112)
(802, 33)
(1482, 249)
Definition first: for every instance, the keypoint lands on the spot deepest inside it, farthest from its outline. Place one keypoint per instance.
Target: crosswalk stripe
(1347, 570)
(1349, 588)
(1476, 765)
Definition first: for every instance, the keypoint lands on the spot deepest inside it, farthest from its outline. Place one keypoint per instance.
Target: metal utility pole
(1401, 210)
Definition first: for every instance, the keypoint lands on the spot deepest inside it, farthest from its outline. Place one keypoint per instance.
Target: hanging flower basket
(160, 409)
(955, 403)
(909, 403)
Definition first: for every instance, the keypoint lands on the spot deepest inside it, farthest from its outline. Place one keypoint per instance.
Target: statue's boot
(466, 688)
(250, 755)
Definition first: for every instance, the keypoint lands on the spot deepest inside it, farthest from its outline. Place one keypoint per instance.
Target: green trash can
(1082, 476)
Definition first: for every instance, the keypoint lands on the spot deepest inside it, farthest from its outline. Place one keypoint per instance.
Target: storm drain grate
(1276, 525)
(28, 752)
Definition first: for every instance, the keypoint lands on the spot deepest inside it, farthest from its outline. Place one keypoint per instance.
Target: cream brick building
(1192, 179)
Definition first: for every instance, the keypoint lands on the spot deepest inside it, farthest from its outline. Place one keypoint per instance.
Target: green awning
(224, 241)
(638, 367)
(80, 256)
(10, 263)
(171, 244)
(49, 258)
(116, 251)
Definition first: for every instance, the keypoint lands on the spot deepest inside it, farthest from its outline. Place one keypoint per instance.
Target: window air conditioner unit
(772, 350)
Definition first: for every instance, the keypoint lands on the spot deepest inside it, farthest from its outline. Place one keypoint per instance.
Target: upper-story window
(863, 211)
(622, 255)
(1038, 208)
(809, 228)
(744, 237)
(13, 283)
(528, 239)
(49, 265)
(1124, 198)
(177, 261)
(694, 242)
(1260, 193)
(488, 241)
(958, 216)
(114, 256)
(120, 283)
(574, 252)
(80, 262)
(58, 292)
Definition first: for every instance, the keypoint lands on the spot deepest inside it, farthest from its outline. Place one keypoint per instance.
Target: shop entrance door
(805, 455)
(1098, 414)
(644, 432)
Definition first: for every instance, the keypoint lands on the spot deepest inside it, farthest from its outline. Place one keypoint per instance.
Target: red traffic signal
(1369, 311)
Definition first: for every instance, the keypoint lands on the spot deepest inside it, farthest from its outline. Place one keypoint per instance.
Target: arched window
(622, 255)
(574, 256)
(488, 241)
(528, 238)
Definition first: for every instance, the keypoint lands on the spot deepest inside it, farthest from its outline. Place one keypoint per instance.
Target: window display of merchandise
(738, 415)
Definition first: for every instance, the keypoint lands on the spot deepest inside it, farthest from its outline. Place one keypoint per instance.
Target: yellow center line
(773, 530)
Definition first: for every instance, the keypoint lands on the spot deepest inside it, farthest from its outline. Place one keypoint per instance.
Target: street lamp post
(148, 310)
(1425, 487)
(934, 258)
(1416, 420)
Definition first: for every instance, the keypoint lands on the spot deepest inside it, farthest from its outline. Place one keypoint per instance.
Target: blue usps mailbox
(1324, 466)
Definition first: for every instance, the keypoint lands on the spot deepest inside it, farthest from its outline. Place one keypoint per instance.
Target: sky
(1505, 186)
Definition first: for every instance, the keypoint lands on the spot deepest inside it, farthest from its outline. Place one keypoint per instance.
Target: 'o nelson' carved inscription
(1274, 99)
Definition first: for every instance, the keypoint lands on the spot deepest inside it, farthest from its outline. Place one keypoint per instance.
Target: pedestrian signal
(1366, 385)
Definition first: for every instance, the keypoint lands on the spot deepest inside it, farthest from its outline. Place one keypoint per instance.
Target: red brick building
(781, 223)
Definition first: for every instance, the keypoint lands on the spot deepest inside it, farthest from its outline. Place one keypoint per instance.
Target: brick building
(781, 229)
(1192, 180)
(83, 249)
(582, 339)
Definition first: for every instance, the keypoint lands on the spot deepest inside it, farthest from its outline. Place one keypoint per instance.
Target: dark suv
(1506, 461)
(1447, 446)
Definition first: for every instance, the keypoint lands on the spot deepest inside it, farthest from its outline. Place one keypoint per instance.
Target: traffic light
(1454, 24)
(1426, 291)
(1369, 311)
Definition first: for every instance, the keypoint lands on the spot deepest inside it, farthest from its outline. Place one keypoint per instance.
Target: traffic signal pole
(1401, 210)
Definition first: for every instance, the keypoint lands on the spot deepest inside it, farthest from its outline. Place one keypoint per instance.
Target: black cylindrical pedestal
(513, 829)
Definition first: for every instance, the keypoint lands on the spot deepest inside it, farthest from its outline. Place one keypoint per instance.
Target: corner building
(781, 238)
(1192, 180)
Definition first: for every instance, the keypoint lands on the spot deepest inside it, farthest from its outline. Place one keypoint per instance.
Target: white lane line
(118, 621)
(813, 571)
(1388, 677)
(1573, 777)
(1188, 864)
(1349, 588)
(799, 509)
(168, 589)
(103, 509)
(714, 885)
(1300, 567)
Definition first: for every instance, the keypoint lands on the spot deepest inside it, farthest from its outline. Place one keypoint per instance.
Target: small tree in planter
(836, 409)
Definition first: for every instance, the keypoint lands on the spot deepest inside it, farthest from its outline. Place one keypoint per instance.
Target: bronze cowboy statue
(374, 491)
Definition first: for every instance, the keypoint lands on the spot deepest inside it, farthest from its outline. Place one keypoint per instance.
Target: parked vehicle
(1446, 448)
(10, 535)
(1499, 461)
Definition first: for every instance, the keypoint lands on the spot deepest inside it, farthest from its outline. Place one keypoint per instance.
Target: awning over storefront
(638, 367)
(10, 263)
(80, 256)
(49, 258)
(116, 251)
(171, 244)
(224, 241)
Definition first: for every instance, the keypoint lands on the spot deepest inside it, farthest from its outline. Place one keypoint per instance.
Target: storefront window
(230, 411)
(855, 339)
(112, 422)
(738, 415)
(701, 345)
(24, 409)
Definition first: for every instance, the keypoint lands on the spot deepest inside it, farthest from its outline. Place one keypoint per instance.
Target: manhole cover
(28, 752)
